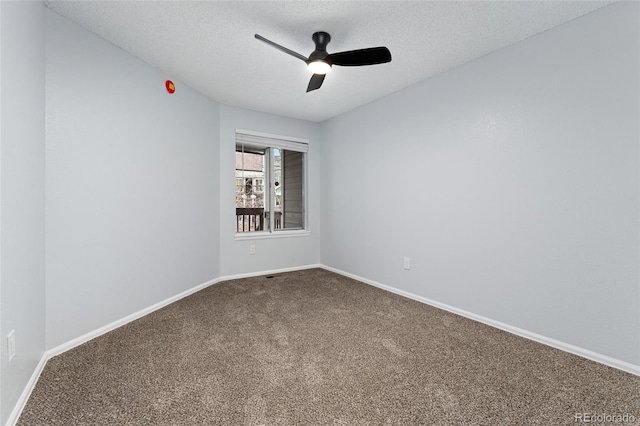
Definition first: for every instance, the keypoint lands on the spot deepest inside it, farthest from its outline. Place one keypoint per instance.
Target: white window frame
(268, 140)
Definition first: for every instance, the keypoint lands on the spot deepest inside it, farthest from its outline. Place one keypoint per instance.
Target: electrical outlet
(11, 345)
(252, 249)
(407, 263)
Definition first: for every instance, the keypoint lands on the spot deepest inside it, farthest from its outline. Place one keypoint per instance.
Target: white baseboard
(136, 315)
(602, 359)
(17, 410)
(270, 272)
(122, 321)
(26, 393)
(566, 347)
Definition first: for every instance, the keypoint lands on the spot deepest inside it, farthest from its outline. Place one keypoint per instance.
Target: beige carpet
(315, 348)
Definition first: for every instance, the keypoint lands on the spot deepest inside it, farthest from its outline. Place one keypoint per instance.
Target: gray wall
(273, 253)
(511, 182)
(22, 147)
(132, 184)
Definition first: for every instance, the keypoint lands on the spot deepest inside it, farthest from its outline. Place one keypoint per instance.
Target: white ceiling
(210, 45)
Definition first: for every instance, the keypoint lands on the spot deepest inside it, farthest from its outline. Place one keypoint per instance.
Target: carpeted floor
(315, 348)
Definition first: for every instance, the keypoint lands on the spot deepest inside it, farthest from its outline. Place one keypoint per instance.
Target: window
(270, 184)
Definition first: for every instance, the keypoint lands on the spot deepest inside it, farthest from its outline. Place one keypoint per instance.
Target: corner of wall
(22, 208)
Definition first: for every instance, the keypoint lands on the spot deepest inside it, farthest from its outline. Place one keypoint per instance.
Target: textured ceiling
(210, 45)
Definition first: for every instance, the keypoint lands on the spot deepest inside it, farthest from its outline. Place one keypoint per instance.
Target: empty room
(319, 212)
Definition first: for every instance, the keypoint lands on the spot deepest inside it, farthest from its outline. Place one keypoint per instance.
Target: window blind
(264, 140)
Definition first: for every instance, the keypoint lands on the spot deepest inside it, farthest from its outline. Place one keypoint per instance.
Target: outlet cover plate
(407, 263)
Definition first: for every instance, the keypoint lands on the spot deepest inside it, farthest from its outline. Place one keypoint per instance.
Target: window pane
(251, 198)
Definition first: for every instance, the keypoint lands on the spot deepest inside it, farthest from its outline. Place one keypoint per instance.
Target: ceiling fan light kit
(320, 61)
(319, 67)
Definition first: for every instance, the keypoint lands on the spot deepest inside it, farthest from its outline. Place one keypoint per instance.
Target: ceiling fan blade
(315, 82)
(282, 48)
(354, 58)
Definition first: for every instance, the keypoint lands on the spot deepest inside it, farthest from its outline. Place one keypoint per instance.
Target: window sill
(267, 235)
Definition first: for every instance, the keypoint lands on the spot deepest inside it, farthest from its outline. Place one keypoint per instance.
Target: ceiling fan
(320, 61)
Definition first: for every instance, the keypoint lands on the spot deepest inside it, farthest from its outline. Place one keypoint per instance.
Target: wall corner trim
(565, 347)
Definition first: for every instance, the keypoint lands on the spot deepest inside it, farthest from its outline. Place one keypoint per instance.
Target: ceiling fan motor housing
(321, 39)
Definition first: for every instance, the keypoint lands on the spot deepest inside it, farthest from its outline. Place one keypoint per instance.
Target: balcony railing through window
(249, 219)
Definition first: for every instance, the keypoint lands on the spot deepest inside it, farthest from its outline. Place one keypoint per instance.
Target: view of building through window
(250, 179)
